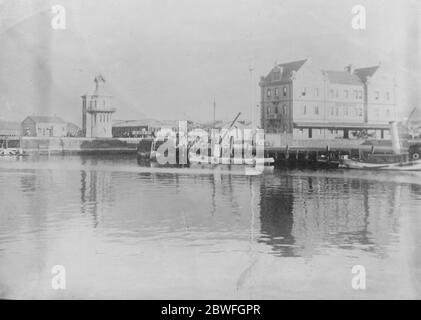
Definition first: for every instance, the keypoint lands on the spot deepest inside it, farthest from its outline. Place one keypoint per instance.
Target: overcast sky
(168, 59)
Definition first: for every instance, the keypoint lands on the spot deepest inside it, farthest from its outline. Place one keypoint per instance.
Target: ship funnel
(394, 133)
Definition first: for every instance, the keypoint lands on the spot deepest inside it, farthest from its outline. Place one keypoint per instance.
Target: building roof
(343, 77)
(9, 125)
(46, 119)
(134, 123)
(364, 73)
(339, 125)
(287, 69)
(100, 88)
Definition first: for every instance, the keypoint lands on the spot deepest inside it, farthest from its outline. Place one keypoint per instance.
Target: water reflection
(146, 225)
(299, 215)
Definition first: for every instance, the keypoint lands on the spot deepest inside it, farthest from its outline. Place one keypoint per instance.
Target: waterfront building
(145, 127)
(303, 101)
(135, 128)
(10, 129)
(73, 130)
(97, 111)
(44, 126)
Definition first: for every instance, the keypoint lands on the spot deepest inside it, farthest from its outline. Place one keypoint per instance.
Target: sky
(169, 59)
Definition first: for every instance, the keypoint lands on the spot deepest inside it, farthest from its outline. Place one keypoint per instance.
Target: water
(123, 231)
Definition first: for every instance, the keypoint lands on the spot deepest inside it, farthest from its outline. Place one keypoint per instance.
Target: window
(276, 110)
(316, 92)
(332, 93)
(346, 111)
(346, 94)
(332, 111)
(355, 94)
(360, 94)
(305, 109)
(276, 75)
(316, 109)
(268, 110)
(304, 92)
(337, 93)
(276, 92)
(268, 93)
(285, 91)
(284, 109)
(376, 95)
(337, 111)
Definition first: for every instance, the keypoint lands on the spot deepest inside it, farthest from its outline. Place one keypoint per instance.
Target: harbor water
(125, 231)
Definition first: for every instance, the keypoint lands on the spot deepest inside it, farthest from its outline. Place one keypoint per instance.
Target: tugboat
(239, 156)
(6, 151)
(182, 155)
(397, 161)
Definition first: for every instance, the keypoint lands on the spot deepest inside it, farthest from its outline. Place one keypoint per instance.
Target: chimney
(396, 143)
(350, 68)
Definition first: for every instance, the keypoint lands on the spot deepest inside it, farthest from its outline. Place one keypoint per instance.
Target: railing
(274, 116)
(100, 109)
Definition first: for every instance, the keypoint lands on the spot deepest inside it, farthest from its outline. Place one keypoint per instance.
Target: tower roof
(100, 88)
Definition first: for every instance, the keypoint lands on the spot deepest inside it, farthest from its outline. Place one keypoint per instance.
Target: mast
(214, 111)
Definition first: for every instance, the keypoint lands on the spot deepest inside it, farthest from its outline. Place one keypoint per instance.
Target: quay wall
(273, 143)
(66, 145)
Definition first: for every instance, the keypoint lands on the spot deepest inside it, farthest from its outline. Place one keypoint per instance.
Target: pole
(214, 111)
(251, 96)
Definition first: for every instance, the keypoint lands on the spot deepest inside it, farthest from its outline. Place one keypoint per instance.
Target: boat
(241, 156)
(365, 165)
(249, 164)
(396, 161)
(12, 152)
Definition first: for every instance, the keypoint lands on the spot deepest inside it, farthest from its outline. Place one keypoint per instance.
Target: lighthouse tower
(97, 111)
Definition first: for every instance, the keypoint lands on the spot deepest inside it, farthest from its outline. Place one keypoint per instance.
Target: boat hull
(398, 166)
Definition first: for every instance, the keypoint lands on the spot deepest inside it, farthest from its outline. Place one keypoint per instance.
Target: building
(145, 127)
(44, 126)
(97, 111)
(10, 129)
(134, 128)
(300, 99)
(73, 130)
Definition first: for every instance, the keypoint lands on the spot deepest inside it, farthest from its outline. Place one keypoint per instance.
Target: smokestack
(396, 143)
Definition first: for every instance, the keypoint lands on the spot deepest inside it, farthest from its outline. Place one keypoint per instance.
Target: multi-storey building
(298, 98)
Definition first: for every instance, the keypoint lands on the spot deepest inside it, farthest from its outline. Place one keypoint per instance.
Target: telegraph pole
(214, 111)
(251, 96)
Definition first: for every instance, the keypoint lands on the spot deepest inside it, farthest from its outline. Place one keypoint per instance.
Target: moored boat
(396, 161)
(397, 166)
(11, 152)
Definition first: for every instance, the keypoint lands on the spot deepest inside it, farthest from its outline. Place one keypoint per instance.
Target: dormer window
(277, 75)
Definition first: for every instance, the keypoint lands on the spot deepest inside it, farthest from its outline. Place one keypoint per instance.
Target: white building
(97, 111)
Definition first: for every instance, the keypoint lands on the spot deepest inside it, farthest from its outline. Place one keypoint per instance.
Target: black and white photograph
(202, 150)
